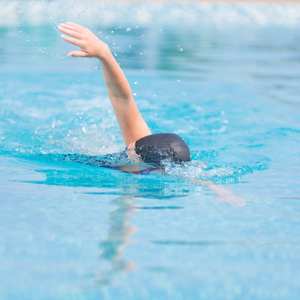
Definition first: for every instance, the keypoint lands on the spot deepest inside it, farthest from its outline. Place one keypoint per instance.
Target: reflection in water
(118, 237)
(115, 182)
(128, 187)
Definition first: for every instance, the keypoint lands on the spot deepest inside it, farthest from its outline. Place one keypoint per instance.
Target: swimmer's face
(132, 154)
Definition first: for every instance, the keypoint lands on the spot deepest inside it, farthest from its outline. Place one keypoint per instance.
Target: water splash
(218, 174)
(140, 14)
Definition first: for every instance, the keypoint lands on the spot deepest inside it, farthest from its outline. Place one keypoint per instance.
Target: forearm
(129, 118)
(132, 125)
(116, 83)
(222, 194)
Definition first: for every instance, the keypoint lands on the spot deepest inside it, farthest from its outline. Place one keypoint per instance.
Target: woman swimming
(151, 149)
(134, 129)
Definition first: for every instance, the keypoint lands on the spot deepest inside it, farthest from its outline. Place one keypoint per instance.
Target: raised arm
(132, 125)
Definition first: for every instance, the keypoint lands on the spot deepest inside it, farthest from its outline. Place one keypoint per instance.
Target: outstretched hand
(83, 38)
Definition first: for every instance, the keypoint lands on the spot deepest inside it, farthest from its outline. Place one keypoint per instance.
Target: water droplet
(136, 82)
(181, 49)
(112, 31)
(178, 80)
(128, 29)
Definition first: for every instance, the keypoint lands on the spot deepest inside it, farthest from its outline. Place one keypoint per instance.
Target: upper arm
(131, 122)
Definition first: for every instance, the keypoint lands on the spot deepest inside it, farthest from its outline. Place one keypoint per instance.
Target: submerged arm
(222, 194)
(132, 125)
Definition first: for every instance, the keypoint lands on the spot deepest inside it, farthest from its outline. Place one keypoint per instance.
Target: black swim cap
(156, 147)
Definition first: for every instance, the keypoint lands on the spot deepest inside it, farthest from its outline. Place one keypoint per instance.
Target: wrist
(103, 53)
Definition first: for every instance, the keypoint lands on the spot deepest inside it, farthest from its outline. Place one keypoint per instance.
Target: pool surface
(226, 77)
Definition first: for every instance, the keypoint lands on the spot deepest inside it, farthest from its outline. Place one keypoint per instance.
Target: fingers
(72, 41)
(70, 32)
(73, 26)
(78, 27)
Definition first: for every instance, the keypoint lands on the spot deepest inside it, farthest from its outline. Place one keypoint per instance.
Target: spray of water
(76, 140)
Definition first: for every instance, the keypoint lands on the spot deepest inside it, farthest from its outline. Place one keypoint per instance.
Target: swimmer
(134, 129)
(151, 149)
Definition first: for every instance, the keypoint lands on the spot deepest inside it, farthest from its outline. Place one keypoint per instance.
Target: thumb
(78, 54)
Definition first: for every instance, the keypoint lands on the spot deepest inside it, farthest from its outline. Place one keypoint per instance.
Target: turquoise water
(224, 77)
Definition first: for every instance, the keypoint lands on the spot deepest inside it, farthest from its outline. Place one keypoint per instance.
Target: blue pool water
(226, 77)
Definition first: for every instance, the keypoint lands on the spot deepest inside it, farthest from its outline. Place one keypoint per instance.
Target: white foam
(105, 13)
